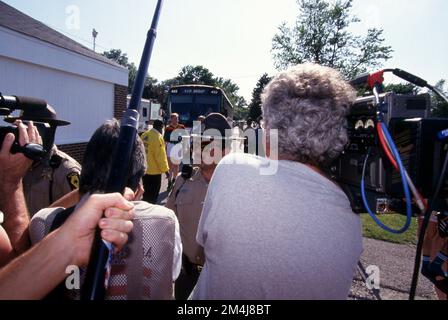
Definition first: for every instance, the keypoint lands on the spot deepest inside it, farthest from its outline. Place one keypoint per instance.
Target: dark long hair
(98, 158)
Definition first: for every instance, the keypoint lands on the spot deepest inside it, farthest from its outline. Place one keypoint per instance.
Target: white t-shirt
(290, 235)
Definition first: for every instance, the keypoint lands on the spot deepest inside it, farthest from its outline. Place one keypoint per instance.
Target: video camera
(8, 104)
(415, 134)
(394, 144)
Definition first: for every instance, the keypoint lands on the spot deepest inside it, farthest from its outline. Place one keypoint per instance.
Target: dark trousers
(187, 279)
(152, 184)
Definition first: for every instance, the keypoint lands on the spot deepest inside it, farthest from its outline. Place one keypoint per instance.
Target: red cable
(391, 158)
(385, 147)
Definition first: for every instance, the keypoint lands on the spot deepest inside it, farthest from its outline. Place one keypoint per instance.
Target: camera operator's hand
(80, 228)
(13, 167)
(39, 270)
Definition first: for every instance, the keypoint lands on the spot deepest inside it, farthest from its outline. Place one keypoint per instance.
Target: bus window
(205, 105)
(183, 106)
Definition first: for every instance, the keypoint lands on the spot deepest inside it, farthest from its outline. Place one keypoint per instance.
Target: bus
(192, 101)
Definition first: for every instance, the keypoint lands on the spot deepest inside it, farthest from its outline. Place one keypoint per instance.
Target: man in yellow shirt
(156, 160)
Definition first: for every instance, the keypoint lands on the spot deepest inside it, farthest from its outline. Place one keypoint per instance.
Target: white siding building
(82, 86)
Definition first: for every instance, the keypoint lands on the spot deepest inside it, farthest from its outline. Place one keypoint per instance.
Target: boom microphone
(410, 77)
(96, 281)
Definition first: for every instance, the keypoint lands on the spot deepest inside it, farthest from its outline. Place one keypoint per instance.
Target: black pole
(144, 62)
(95, 284)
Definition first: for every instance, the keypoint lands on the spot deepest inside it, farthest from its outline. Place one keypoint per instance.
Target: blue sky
(233, 37)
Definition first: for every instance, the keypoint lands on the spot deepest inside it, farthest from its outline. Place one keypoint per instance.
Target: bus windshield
(190, 107)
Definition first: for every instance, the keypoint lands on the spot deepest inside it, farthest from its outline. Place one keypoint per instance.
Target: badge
(73, 180)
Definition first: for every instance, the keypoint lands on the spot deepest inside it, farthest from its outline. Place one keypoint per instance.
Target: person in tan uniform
(57, 173)
(186, 200)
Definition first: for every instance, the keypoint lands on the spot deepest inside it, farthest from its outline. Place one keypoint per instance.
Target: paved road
(396, 263)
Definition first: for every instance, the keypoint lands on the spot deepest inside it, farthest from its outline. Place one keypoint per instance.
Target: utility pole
(94, 34)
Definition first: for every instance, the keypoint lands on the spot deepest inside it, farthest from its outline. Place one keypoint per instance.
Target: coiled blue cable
(403, 179)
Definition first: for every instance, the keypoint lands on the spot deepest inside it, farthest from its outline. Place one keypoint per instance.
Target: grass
(394, 221)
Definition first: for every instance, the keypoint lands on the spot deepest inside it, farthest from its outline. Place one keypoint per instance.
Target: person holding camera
(187, 198)
(57, 173)
(14, 238)
(289, 233)
(28, 274)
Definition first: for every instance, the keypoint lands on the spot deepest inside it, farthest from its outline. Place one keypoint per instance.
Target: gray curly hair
(308, 105)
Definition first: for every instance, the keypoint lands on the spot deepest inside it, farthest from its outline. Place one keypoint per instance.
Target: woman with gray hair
(291, 234)
(308, 106)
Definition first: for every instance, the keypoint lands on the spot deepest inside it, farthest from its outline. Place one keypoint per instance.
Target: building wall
(120, 103)
(85, 102)
(28, 49)
(82, 90)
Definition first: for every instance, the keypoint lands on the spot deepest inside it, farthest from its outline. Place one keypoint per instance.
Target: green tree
(240, 113)
(152, 89)
(118, 56)
(322, 35)
(195, 75)
(231, 89)
(201, 75)
(255, 104)
(402, 88)
(132, 76)
(439, 107)
(122, 59)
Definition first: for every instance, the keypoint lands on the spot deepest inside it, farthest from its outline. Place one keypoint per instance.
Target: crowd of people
(226, 232)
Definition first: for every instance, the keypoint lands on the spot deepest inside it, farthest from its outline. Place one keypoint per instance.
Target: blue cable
(403, 179)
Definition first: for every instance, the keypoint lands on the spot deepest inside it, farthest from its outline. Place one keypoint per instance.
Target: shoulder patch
(73, 180)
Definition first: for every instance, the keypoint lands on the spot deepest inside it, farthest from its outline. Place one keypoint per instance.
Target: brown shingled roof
(13, 19)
